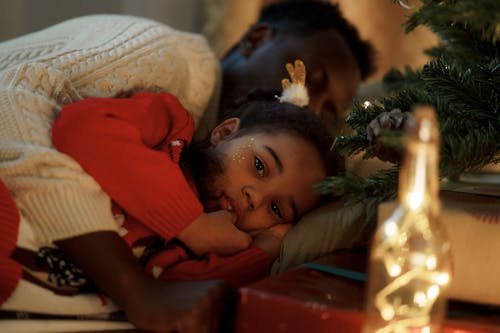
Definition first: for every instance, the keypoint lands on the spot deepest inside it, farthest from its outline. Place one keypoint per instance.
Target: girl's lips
(229, 205)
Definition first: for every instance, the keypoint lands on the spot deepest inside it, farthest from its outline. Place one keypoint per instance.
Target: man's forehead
(329, 43)
(326, 49)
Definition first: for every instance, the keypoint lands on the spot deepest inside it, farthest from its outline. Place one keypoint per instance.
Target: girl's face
(267, 179)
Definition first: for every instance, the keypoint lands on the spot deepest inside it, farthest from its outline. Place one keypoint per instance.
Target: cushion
(332, 226)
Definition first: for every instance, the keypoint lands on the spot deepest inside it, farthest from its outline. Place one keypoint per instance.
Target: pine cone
(393, 120)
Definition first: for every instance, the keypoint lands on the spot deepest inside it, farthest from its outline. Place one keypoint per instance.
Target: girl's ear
(224, 129)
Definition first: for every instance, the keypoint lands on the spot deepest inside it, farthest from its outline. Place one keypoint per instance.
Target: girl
(216, 209)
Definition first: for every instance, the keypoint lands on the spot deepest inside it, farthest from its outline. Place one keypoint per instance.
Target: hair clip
(295, 92)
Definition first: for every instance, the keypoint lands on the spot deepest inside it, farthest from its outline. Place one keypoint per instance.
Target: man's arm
(148, 303)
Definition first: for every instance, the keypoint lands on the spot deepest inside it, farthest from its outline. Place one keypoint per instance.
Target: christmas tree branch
(461, 82)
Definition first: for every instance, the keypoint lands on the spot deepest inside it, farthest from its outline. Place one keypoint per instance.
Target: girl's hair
(260, 114)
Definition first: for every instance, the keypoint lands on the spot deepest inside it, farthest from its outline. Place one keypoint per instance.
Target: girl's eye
(259, 166)
(276, 209)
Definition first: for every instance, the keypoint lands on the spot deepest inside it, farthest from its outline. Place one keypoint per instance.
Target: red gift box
(296, 301)
(309, 300)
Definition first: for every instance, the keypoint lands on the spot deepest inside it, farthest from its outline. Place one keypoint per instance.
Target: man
(337, 60)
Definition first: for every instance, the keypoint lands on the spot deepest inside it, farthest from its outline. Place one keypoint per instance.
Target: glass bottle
(410, 262)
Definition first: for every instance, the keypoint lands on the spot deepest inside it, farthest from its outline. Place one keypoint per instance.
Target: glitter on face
(239, 153)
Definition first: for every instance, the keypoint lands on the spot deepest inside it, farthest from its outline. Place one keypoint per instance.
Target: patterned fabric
(62, 271)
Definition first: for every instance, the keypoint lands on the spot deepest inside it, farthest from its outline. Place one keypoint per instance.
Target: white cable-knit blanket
(99, 56)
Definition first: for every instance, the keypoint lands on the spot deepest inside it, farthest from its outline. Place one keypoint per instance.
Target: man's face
(333, 75)
(266, 179)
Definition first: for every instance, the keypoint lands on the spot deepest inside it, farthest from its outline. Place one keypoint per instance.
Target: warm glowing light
(433, 292)
(410, 256)
(443, 279)
(390, 229)
(431, 263)
(394, 270)
(420, 299)
(425, 131)
(387, 313)
(415, 196)
(426, 329)
(417, 259)
(415, 199)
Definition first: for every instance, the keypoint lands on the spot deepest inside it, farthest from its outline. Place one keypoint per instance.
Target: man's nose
(315, 103)
(321, 103)
(327, 106)
(253, 197)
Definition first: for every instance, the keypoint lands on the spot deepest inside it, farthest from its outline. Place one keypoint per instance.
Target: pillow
(335, 225)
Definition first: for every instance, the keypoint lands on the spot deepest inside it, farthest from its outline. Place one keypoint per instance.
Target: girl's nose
(253, 197)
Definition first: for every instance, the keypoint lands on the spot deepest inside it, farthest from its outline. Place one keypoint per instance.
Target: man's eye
(276, 209)
(259, 166)
(316, 79)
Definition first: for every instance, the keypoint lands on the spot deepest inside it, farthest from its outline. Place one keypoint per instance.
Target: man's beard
(205, 167)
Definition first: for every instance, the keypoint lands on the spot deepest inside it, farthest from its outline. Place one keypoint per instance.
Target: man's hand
(215, 232)
(184, 307)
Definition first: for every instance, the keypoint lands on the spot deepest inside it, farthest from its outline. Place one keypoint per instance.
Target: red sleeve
(11, 270)
(240, 269)
(112, 139)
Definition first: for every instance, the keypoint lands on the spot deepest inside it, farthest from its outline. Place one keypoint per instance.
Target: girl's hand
(270, 239)
(215, 232)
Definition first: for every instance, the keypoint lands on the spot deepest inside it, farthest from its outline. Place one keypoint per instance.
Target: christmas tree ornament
(393, 121)
(403, 4)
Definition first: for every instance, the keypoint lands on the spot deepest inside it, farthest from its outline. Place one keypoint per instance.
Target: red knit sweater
(131, 147)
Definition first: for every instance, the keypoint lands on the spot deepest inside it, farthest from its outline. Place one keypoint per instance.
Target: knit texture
(100, 56)
(128, 145)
